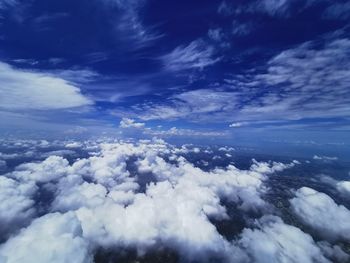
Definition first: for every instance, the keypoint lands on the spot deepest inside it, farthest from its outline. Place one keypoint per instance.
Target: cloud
(236, 124)
(130, 123)
(184, 132)
(3, 163)
(337, 11)
(273, 8)
(51, 169)
(225, 9)
(52, 238)
(73, 145)
(190, 104)
(129, 24)
(30, 90)
(196, 55)
(302, 82)
(241, 29)
(275, 241)
(325, 158)
(4, 4)
(320, 212)
(344, 188)
(335, 252)
(216, 34)
(271, 167)
(298, 83)
(100, 201)
(16, 204)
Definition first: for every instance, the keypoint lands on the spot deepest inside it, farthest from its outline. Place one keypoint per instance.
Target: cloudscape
(174, 131)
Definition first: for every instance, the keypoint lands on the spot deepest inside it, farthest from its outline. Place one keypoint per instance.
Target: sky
(267, 70)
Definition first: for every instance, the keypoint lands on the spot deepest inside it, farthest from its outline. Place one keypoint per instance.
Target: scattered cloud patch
(196, 55)
(320, 212)
(325, 158)
(275, 241)
(338, 10)
(130, 123)
(52, 238)
(344, 188)
(236, 124)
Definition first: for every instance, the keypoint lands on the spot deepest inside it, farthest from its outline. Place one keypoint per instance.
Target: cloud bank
(146, 196)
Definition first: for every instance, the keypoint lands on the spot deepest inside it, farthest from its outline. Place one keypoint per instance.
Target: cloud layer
(70, 210)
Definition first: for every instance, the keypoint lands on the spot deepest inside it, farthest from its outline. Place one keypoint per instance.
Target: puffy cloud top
(320, 212)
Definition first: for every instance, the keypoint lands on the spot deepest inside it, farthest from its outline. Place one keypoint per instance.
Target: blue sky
(278, 69)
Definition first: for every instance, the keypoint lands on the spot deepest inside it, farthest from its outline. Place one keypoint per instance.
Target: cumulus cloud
(130, 123)
(22, 89)
(16, 204)
(271, 167)
(52, 238)
(275, 241)
(99, 202)
(344, 188)
(320, 212)
(50, 169)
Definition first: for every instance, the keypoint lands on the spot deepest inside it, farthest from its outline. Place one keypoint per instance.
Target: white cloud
(191, 104)
(74, 193)
(184, 132)
(52, 238)
(16, 204)
(320, 212)
(306, 80)
(105, 208)
(196, 55)
(271, 167)
(325, 158)
(51, 169)
(23, 90)
(236, 124)
(130, 123)
(275, 241)
(181, 225)
(344, 188)
(73, 145)
(301, 82)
